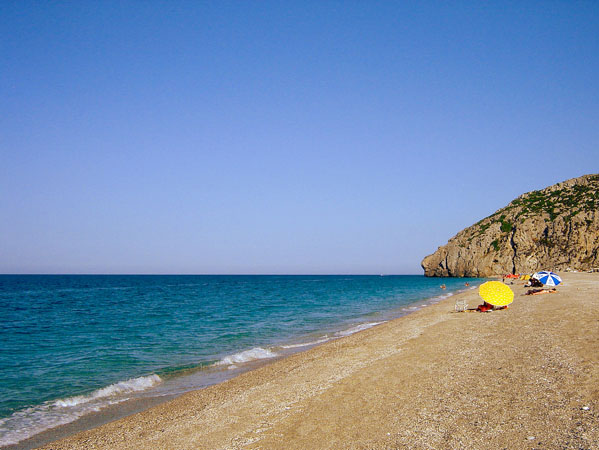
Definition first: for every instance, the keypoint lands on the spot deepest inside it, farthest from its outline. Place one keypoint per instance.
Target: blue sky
(281, 137)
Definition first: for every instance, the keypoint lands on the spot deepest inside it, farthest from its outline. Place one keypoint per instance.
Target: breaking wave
(30, 421)
(247, 356)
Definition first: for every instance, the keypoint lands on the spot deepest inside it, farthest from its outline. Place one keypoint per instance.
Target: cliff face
(555, 228)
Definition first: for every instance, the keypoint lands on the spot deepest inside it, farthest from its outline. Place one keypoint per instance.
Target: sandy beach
(522, 378)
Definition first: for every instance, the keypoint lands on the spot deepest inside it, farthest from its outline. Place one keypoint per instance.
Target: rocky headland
(555, 228)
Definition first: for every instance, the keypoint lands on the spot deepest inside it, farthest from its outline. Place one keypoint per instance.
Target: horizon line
(214, 274)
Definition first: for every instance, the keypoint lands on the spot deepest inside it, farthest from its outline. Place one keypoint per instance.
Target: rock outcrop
(555, 228)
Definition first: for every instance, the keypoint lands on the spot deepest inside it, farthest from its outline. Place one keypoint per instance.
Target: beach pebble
(585, 408)
(531, 438)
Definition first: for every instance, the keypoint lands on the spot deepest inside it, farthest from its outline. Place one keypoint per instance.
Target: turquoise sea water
(70, 345)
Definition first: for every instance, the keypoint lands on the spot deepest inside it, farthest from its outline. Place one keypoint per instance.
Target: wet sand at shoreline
(525, 377)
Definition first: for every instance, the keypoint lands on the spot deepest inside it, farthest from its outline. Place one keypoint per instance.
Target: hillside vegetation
(554, 228)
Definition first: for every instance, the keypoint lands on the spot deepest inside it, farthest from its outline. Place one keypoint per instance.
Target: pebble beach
(521, 378)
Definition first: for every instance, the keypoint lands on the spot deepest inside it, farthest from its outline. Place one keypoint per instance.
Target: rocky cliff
(554, 228)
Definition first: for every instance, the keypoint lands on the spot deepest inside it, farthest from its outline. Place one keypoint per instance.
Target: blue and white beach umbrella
(548, 278)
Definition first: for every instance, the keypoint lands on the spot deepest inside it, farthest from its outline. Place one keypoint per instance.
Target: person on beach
(485, 307)
(488, 307)
(533, 282)
(540, 291)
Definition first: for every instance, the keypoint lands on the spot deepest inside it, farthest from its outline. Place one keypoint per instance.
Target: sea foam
(31, 421)
(247, 356)
(307, 344)
(357, 328)
(123, 387)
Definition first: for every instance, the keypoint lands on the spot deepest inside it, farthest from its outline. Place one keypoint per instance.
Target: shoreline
(202, 377)
(430, 379)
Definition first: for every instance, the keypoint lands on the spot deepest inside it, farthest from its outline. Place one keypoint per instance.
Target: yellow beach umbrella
(496, 293)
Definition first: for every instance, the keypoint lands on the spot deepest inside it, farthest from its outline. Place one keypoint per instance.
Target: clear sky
(281, 137)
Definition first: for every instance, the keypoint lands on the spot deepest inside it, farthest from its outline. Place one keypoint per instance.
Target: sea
(73, 345)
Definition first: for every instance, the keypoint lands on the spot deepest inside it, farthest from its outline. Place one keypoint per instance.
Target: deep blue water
(73, 344)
